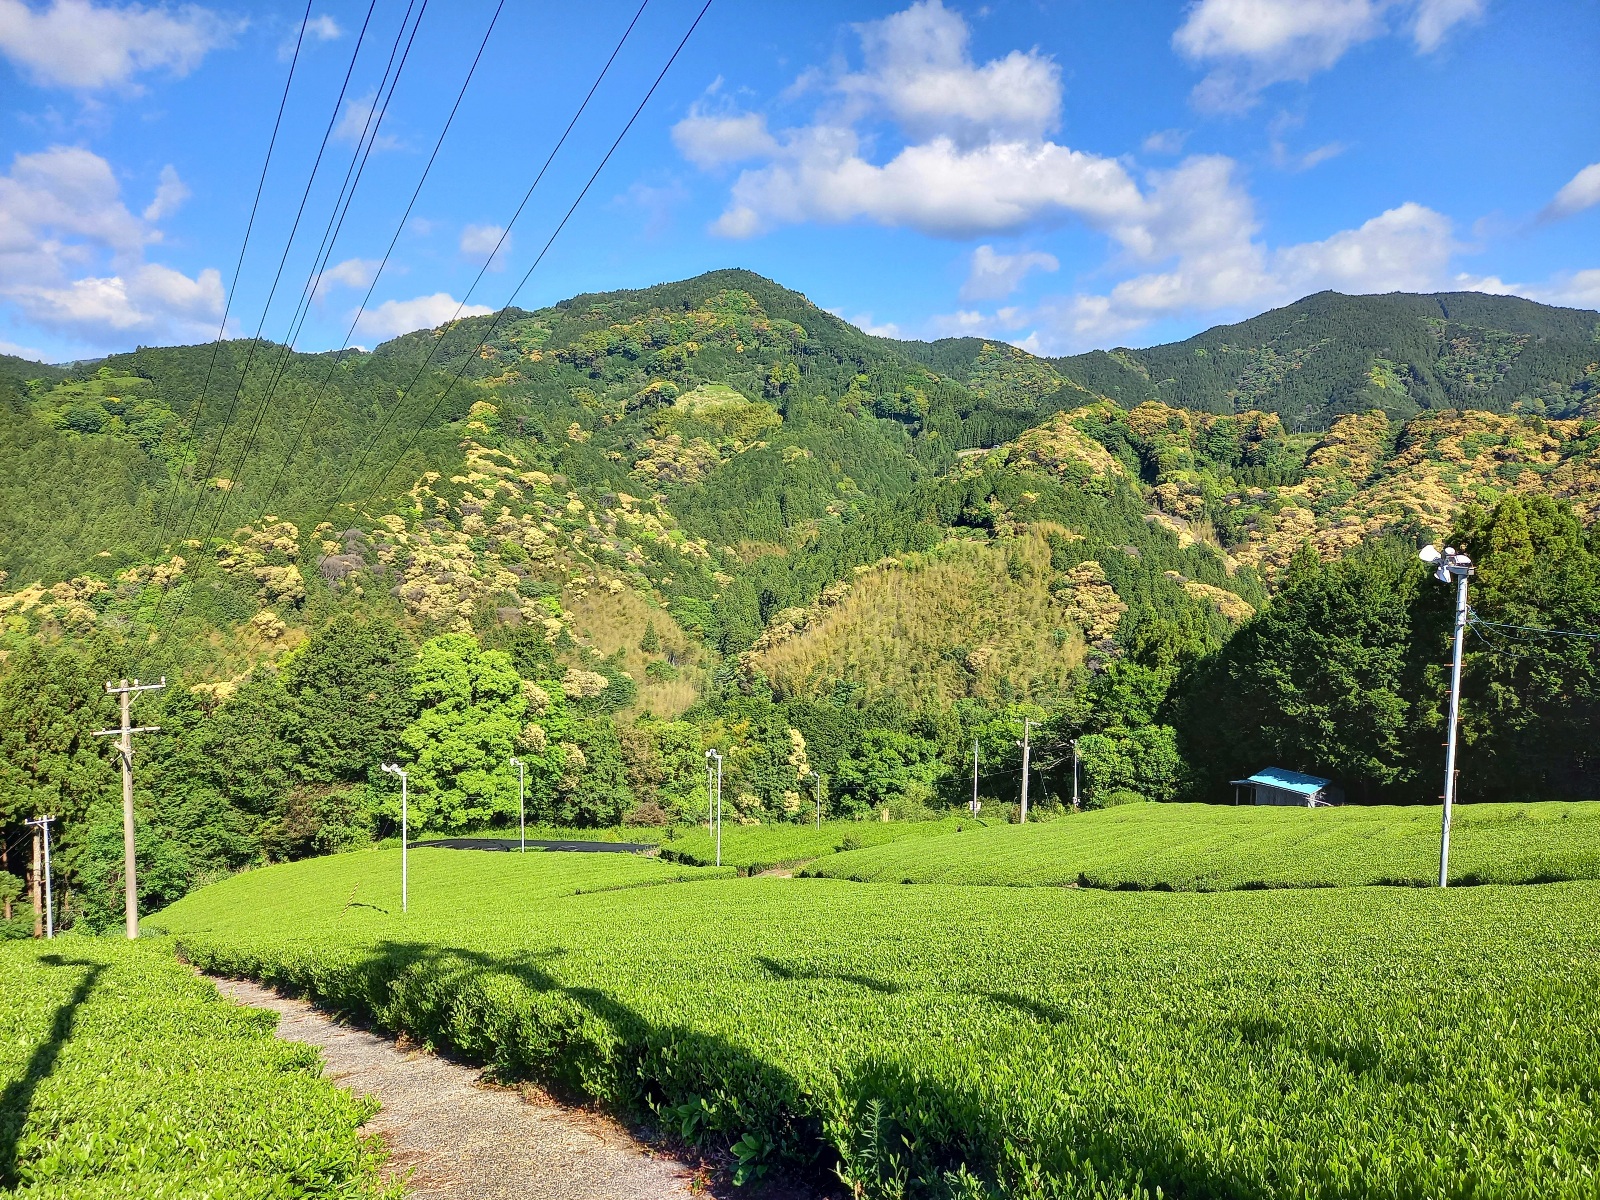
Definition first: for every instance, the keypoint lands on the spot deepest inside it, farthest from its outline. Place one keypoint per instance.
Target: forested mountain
(610, 534)
(1400, 354)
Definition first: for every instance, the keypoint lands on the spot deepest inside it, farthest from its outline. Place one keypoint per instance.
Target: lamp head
(1429, 554)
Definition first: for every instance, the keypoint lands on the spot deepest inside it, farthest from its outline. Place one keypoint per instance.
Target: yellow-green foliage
(933, 628)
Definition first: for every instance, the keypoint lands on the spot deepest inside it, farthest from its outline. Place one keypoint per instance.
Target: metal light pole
(713, 754)
(396, 769)
(1449, 567)
(818, 778)
(43, 823)
(975, 805)
(1026, 748)
(1074, 774)
(522, 804)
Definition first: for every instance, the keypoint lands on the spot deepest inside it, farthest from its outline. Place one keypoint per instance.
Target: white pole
(1455, 716)
(522, 805)
(1074, 774)
(714, 800)
(1025, 753)
(711, 800)
(974, 776)
(719, 810)
(819, 799)
(405, 833)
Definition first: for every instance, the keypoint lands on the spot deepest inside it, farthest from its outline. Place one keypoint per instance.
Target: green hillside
(1401, 354)
(613, 534)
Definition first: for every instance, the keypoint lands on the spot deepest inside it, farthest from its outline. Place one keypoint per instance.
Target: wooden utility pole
(1026, 749)
(125, 692)
(41, 825)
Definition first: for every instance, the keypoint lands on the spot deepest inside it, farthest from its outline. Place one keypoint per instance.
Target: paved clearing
(463, 1140)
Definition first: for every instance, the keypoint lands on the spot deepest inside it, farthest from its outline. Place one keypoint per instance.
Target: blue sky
(1063, 175)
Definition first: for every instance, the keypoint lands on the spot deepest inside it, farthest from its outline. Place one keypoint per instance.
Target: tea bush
(983, 1042)
(125, 1075)
(1205, 847)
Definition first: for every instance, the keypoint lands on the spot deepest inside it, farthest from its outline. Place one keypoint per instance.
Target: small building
(1275, 785)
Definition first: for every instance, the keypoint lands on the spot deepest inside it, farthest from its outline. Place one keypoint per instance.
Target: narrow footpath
(464, 1140)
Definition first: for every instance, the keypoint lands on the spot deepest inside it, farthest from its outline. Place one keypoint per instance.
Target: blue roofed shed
(1276, 785)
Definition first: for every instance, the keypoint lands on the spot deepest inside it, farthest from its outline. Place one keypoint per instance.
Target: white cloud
(394, 317)
(72, 256)
(356, 123)
(171, 192)
(478, 240)
(1435, 18)
(939, 187)
(1578, 193)
(352, 273)
(977, 159)
(709, 140)
(16, 351)
(1579, 289)
(78, 44)
(865, 323)
(919, 71)
(1165, 141)
(1252, 44)
(324, 29)
(994, 276)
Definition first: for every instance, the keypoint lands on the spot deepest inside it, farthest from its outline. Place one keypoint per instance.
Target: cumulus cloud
(711, 140)
(352, 273)
(171, 192)
(72, 256)
(918, 69)
(994, 276)
(79, 44)
(356, 124)
(394, 317)
(1578, 193)
(1253, 44)
(977, 159)
(865, 323)
(478, 240)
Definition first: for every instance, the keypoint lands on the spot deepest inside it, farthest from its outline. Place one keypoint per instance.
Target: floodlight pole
(974, 777)
(43, 824)
(522, 804)
(713, 754)
(1026, 748)
(1451, 566)
(818, 778)
(1455, 721)
(396, 769)
(1074, 774)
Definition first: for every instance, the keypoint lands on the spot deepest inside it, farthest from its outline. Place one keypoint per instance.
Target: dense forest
(607, 536)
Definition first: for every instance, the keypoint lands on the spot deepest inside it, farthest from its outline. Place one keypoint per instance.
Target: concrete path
(464, 1140)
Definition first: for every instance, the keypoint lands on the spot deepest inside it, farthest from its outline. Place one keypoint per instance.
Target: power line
(495, 323)
(334, 359)
(388, 419)
(1538, 629)
(336, 218)
(194, 417)
(255, 342)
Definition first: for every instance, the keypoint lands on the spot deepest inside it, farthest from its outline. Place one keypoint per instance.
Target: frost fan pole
(1026, 748)
(125, 692)
(1451, 566)
(713, 754)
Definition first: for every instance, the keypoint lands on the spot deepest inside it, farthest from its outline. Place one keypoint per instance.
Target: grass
(126, 1075)
(756, 848)
(968, 1042)
(1202, 847)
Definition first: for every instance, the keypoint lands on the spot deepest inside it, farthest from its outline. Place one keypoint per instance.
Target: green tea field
(122, 1074)
(973, 1042)
(1206, 847)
